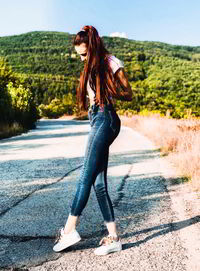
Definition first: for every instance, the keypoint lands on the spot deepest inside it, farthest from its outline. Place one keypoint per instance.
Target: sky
(171, 21)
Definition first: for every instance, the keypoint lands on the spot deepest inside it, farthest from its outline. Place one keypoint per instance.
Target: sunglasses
(85, 54)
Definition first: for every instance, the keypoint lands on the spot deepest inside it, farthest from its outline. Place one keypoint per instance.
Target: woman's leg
(95, 168)
(70, 224)
(93, 163)
(112, 229)
(101, 190)
(112, 242)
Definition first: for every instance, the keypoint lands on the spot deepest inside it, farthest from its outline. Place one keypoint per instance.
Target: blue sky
(171, 21)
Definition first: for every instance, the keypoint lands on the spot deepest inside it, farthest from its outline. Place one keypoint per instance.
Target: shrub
(58, 107)
(24, 110)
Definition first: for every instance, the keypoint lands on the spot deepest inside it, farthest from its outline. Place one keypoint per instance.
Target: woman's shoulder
(115, 63)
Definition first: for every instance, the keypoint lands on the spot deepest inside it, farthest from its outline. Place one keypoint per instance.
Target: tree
(5, 99)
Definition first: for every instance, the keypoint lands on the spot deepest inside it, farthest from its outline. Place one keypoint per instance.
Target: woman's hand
(125, 93)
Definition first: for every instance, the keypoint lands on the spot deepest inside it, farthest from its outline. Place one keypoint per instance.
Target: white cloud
(118, 34)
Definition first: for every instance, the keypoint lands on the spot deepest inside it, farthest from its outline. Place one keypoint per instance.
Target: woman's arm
(125, 91)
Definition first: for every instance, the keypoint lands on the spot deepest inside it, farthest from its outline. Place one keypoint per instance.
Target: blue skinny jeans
(105, 126)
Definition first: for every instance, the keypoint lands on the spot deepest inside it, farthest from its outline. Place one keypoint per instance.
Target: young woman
(103, 79)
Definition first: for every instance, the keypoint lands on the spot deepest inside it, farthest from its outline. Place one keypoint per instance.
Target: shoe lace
(58, 236)
(108, 240)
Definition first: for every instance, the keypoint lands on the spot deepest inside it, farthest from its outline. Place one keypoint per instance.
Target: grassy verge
(179, 139)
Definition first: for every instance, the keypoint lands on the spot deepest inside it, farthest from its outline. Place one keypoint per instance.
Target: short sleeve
(115, 63)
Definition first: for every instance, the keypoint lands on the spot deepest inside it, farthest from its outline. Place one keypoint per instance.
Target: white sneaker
(66, 240)
(108, 244)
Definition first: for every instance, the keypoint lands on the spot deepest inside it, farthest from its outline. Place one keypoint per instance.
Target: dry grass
(180, 139)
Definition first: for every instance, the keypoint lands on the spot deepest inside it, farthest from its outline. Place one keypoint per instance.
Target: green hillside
(163, 77)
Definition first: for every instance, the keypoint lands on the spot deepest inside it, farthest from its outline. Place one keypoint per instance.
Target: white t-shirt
(115, 65)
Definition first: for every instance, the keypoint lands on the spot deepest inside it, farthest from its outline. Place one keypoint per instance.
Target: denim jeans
(105, 126)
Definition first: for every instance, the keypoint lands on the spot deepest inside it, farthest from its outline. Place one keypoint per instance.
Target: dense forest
(43, 65)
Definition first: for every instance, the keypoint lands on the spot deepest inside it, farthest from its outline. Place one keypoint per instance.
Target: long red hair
(96, 68)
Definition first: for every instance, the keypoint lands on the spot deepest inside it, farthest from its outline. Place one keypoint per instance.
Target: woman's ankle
(70, 224)
(67, 231)
(115, 235)
(112, 229)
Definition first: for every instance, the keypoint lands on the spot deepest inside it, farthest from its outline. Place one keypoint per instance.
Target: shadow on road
(160, 230)
(35, 136)
(48, 124)
(134, 197)
(45, 126)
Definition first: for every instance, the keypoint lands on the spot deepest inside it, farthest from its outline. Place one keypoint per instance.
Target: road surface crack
(37, 189)
(120, 190)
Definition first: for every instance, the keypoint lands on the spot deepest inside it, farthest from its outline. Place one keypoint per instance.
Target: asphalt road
(38, 175)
